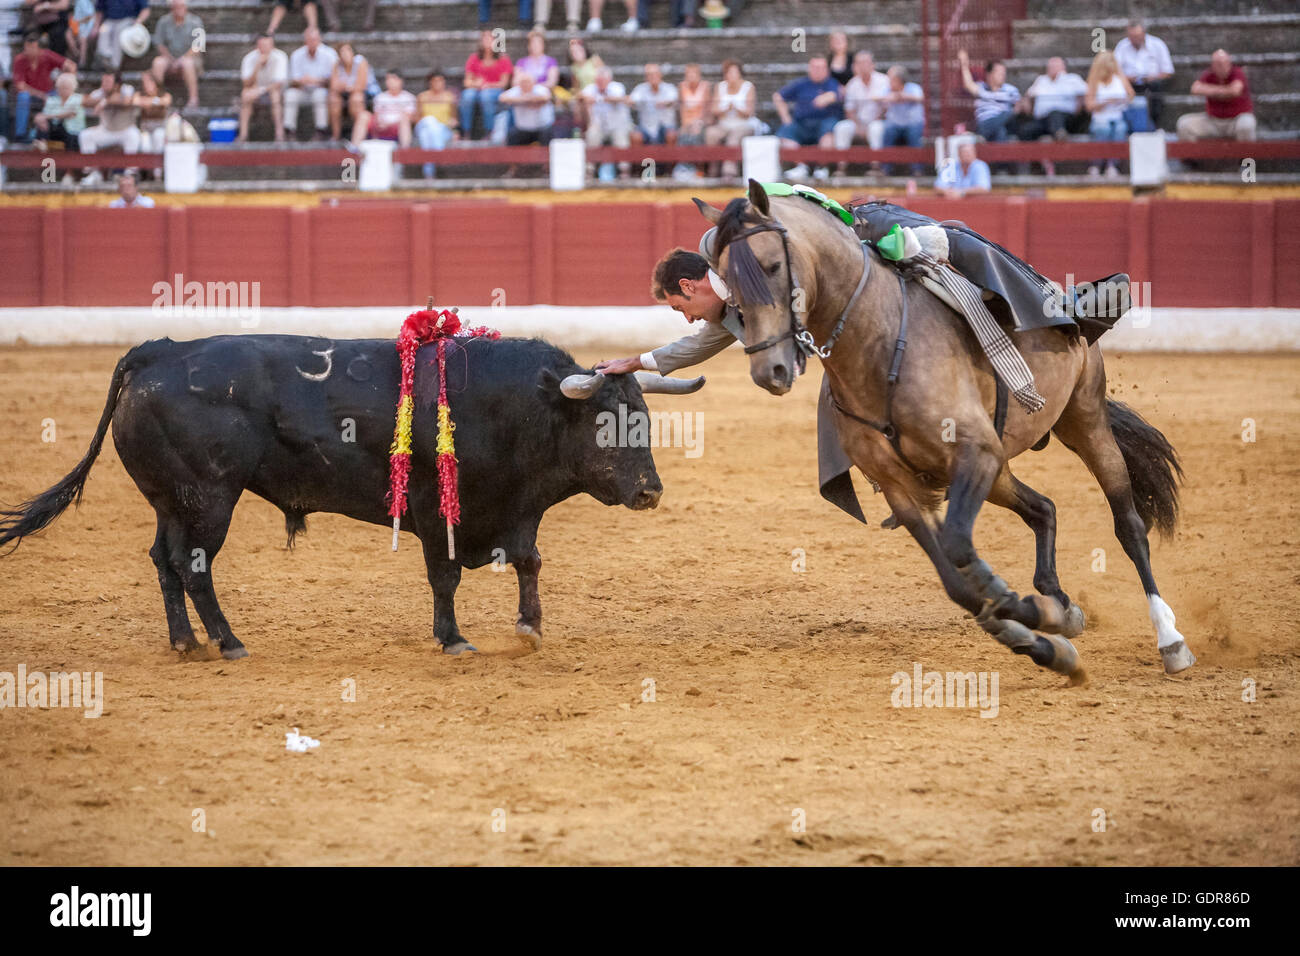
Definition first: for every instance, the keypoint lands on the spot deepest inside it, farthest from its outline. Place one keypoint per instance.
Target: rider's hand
(619, 366)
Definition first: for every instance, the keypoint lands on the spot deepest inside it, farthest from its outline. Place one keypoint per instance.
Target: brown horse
(797, 273)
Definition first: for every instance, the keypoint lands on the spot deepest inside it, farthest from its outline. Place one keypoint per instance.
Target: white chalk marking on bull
(328, 356)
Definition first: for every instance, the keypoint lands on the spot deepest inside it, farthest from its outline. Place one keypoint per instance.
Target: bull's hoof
(529, 634)
(186, 647)
(458, 647)
(1177, 656)
(234, 653)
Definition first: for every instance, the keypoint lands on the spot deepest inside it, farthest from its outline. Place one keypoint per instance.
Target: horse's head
(754, 259)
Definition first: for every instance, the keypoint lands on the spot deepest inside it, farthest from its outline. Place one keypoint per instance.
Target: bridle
(805, 344)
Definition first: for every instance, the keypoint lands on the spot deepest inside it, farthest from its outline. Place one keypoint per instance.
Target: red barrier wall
(1194, 253)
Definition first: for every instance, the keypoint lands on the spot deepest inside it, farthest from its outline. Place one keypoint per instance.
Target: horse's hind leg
(1085, 429)
(180, 633)
(1003, 615)
(1054, 611)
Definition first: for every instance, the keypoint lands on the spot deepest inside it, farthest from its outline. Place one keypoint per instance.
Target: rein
(802, 335)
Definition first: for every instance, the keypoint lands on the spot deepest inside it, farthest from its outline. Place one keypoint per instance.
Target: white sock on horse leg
(1162, 616)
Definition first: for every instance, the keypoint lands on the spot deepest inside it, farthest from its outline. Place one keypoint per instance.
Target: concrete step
(1263, 33)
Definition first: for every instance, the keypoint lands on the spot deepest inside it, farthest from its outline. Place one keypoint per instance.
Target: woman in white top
(1109, 92)
(348, 82)
(733, 113)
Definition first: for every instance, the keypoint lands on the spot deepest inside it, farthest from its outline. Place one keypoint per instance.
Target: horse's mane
(745, 275)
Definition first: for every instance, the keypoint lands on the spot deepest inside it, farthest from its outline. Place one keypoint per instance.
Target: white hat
(134, 40)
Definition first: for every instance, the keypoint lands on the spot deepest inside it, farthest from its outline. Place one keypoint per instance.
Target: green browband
(807, 192)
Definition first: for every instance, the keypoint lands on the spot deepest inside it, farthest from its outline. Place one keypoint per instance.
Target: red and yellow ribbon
(421, 328)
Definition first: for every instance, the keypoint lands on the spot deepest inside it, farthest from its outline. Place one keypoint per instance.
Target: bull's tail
(1153, 467)
(37, 513)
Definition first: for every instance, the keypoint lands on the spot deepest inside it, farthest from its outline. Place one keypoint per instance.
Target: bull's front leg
(529, 625)
(444, 577)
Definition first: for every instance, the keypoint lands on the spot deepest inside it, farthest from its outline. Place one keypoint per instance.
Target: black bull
(307, 424)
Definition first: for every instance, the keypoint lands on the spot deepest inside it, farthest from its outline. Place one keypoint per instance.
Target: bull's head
(613, 463)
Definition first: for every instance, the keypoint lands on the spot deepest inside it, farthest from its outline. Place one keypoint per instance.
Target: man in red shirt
(33, 79)
(1228, 112)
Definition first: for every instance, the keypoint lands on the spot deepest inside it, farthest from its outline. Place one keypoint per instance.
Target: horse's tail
(1153, 467)
(37, 513)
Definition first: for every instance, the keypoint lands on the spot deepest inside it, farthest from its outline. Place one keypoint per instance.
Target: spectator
(995, 98)
(331, 8)
(83, 21)
(543, 68)
(111, 18)
(525, 13)
(1146, 62)
(733, 111)
(638, 15)
(348, 84)
(864, 105)
(63, 116)
(693, 95)
(964, 175)
(1228, 112)
(436, 127)
(1109, 92)
(176, 37)
(1053, 100)
(532, 110)
(904, 113)
(582, 73)
(128, 194)
(487, 74)
(280, 7)
(392, 117)
(816, 100)
(114, 103)
(572, 13)
(310, 68)
(610, 119)
(154, 104)
(264, 72)
(839, 61)
(49, 18)
(656, 108)
(33, 79)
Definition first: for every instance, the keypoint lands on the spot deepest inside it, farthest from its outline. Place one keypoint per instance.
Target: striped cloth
(1008, 364)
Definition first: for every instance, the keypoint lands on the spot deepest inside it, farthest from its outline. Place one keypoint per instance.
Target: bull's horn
(650, 382)
(582, 386)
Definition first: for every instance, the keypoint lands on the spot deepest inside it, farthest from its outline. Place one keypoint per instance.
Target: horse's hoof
(458, 647)
(234, 653)
(1065, 660)
(529, 634)
(1178, 657)
(1075, 621)
(186, 647)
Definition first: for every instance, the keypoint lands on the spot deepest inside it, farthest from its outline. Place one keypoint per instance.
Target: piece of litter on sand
(298, 743)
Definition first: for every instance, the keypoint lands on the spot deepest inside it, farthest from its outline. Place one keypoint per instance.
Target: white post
(568, 164)
(760, 158)
(181, 167)
(1148, 165)
(376, 165)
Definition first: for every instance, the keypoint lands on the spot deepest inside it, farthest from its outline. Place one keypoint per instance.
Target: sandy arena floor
(772, 688)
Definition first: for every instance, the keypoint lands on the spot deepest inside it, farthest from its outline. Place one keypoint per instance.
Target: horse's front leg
(1050, 609)
(1003, 614)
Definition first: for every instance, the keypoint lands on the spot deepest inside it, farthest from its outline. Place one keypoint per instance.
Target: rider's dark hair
(675, 266)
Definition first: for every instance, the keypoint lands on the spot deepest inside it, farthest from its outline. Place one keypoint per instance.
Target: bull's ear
(707, 211)
(548, 383)
(758, 197)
